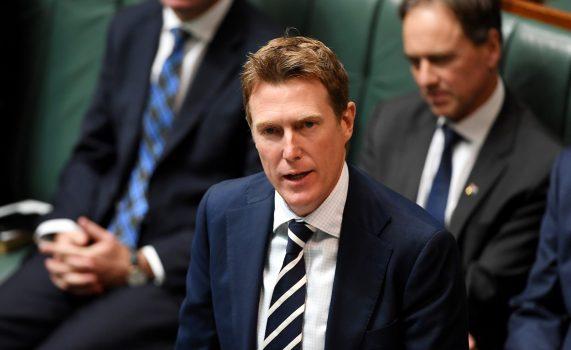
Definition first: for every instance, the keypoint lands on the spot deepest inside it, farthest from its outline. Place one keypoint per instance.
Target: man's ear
(494, 48)
(348, 119)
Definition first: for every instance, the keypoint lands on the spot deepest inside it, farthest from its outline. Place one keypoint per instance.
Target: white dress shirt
(320, 255)
(473, 129)
(202, 30)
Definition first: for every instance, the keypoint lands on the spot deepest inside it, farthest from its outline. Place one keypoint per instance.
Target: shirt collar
(327, 217)
(475, 127)
(202, 28)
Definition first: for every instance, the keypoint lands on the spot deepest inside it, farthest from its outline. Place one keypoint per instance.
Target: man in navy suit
(97, 288)
(540, 320)
(313, 253)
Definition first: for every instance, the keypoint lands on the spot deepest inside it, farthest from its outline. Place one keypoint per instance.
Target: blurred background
(53, 49)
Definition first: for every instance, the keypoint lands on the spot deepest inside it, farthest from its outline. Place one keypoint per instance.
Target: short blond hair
(287, 58)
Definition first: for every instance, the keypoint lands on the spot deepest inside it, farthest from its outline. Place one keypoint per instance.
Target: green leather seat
(287, 13)
(537, 67)
(347, 29)
(68, 40)
(564, 5)
(388, 73)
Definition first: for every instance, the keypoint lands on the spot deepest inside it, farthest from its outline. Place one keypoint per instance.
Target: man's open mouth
(296, 177)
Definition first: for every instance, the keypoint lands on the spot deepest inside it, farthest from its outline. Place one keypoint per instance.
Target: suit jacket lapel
(219, 65)
(489, 166)
(414, 153)
(142, 52)
(140, 56)
(249, 229)
(361, 265)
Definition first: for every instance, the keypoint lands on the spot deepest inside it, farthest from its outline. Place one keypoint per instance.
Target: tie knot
(298, 234)
(180, 35)
(450, 136)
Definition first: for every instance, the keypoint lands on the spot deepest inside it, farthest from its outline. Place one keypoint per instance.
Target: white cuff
(53, 226)
(155, 263)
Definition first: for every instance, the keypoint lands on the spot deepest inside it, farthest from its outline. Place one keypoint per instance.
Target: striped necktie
(438, 197)
(157, 122)
(285, 316)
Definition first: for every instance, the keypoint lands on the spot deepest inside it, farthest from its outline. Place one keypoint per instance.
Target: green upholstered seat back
(537, 67)
(287, 13)
(564, 5)
(68, 40)
(347, 30)
(388, 73)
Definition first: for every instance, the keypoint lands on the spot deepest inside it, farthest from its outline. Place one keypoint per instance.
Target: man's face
(188, 9)
(300, 141)
(454, 75)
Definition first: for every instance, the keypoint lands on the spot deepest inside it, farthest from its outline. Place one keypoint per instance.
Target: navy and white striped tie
(285, 316)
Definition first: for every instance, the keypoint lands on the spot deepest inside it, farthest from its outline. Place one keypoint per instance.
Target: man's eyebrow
(262, 125)
(266, 124)
(440, 55)
(311, 116)
(430, 56)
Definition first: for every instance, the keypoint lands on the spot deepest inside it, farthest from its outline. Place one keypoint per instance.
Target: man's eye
(269, 131)
(415, 62)
(308, 124)
(441, 60)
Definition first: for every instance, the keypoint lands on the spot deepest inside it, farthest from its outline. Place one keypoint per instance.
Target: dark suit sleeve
(539, 316)
(197, 326)
(94, 153)
(434, 311)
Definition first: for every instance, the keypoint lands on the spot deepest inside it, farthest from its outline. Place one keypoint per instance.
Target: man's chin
(443, 110)
(300, 204)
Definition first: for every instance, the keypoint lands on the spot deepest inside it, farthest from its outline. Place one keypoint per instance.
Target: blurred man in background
(166, 122)
(461, 150)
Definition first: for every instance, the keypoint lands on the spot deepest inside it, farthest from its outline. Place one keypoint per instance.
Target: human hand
(77, 238)
(109, 258)
(69, 271)
(82, 270)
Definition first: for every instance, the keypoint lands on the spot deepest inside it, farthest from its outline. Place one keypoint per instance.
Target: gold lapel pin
(471, 189)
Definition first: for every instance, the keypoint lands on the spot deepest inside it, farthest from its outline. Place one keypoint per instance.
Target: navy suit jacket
(397, 285)
(209, 142)
(542, 312)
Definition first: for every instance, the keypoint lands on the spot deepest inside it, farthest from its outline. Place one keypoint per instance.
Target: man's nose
(426, 75)
(292, 150)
